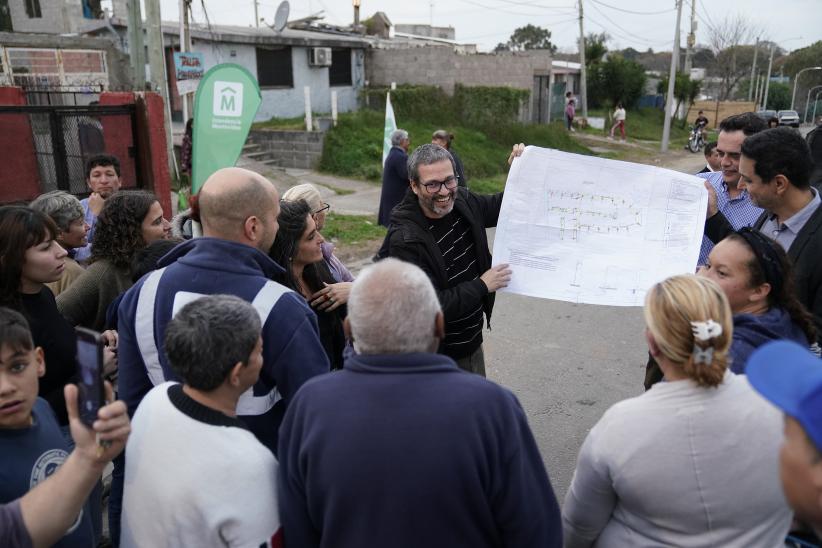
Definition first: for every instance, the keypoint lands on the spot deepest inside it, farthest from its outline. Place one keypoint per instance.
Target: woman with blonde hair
(332, 295)
(694, 460)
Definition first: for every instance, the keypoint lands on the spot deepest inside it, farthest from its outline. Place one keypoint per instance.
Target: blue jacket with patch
(292, 352)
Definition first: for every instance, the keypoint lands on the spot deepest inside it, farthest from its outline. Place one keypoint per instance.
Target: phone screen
(90, 362)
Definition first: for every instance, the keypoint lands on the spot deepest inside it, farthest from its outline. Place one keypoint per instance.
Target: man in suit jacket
(775, 169)
(394, 175)
(713, 162)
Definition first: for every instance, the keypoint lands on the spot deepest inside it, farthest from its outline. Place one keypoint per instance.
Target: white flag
(390, 127)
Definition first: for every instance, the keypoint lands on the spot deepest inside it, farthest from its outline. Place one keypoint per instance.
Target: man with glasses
(441, 229)
(732, 200)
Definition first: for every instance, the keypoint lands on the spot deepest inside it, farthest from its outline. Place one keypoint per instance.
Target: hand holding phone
(90, 361)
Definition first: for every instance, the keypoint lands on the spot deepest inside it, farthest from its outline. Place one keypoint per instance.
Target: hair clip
(703, 355)
(707, 330)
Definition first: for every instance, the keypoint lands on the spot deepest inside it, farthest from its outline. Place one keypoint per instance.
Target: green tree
(615, 80)
(779, 96)
(595, 47)
(685, 91)
(527, 38)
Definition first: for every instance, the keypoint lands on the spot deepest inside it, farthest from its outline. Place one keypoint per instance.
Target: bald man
(238, 210)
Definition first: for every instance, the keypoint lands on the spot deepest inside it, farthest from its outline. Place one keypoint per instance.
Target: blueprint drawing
(589, 230)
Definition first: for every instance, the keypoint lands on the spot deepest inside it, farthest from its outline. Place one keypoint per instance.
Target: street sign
(226, 103)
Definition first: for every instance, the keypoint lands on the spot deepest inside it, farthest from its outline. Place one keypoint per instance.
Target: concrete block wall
(443, 66)
(295, 149)
(58, 16)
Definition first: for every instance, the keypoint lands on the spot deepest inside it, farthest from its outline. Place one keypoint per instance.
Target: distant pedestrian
(444, 139)
(394, 175)
(619, 121)
(570, 110)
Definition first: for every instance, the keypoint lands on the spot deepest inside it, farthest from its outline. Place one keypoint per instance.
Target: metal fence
(52, 144)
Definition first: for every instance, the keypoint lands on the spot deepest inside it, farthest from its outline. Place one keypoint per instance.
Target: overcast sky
(488, 22)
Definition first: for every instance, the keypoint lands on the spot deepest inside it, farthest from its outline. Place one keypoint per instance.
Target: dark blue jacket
(394, 183)
(752, 331)
(292, 352)
(407, 450)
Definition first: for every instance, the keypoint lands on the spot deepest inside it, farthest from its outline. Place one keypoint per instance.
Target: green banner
(390, 127)
(227, 100)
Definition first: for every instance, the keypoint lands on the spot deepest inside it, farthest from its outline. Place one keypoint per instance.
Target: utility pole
(669, 102)
(755, 85)
(753, 70)
(691, 42)
(768, 80)
(185, 47)
(135, 45)
(256, 14)
(157, 67)
(583, 72)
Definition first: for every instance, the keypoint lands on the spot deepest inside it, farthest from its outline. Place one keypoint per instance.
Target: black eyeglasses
(325, 207)
(435, 186)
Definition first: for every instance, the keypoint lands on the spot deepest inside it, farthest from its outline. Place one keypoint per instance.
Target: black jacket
(805, 254)
(394, 183)
(410, 240)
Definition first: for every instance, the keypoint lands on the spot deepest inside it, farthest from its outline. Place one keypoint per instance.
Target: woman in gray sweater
(693, 461)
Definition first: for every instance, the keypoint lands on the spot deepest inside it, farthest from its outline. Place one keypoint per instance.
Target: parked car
(788, 118)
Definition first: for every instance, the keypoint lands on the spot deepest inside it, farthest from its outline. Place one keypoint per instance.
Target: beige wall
(716, 112)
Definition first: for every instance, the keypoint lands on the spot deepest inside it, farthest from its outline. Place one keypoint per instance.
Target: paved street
(567, 364)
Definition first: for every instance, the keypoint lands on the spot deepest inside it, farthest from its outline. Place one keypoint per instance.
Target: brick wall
(296, 149)
(19, 178)
(152, 142)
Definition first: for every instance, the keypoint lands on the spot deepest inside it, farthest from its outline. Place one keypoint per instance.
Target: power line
(632, 12)
(628, 34)
(500, 10)
(540, 6)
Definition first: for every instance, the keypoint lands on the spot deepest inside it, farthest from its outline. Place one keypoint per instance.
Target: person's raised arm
(52, 506)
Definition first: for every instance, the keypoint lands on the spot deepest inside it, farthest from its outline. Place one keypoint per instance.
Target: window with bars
(33, 9)
(339, 74)
(274, 67)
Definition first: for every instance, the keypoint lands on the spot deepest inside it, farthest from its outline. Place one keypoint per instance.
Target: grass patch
(337, 190)
(488, 185)
(297, 123)
(354, 147)
(352, 229)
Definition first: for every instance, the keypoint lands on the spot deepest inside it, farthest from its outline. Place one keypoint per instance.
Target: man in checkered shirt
(733, 202)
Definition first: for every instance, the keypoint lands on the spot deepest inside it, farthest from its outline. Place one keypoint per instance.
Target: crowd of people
(261, 395)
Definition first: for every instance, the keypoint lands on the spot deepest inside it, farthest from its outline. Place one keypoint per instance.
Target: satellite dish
(281, 19)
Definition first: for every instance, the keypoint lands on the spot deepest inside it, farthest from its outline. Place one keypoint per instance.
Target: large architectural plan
(588, 230)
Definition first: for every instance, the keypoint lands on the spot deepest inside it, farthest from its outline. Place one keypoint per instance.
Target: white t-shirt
(619, 114)
(195, 477)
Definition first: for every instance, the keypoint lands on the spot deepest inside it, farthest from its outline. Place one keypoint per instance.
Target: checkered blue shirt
(739, 211)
